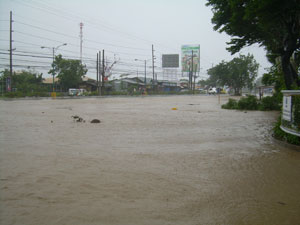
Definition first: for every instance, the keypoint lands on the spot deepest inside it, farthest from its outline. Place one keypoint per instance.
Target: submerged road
(144, 163)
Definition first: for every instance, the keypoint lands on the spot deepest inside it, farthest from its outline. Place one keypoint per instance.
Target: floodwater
(144, 164)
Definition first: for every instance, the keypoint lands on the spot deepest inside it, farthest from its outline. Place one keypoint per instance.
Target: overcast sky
(126, 29)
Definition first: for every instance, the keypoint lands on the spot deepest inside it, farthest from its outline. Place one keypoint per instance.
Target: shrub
(231, 104)
(93, 93)
(250, 103)
(60, 94)
(269, 103)
(16, 94)
(296, 111)
(37, 94)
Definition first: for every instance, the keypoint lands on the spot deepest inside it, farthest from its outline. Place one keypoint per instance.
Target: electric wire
(51, 10)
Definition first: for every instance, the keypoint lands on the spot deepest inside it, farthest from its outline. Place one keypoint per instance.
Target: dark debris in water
(78, 119)
(95, 121)
(281, 203)
(81, 120)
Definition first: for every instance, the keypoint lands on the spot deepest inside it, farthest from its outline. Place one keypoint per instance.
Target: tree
(218, 75)
(274, 24)
(24, 81)
(238, 73)
(69, 71)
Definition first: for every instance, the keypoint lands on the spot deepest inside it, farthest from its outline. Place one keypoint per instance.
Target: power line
(94, 49)
(36, 36)
(51, 10)
(25, 66)
(87, 40)
(24, 60)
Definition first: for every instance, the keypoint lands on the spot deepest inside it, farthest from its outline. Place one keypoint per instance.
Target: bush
(296, 111)
(37, 94)
(93, 93)
(60, 94)
(269, 103)
(16, 94)
(250, 103)
(231, 104)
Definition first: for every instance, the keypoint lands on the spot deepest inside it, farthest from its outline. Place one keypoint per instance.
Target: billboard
(170, 61)
(186, 58)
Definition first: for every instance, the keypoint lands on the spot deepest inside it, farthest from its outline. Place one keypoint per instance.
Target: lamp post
(53, 58)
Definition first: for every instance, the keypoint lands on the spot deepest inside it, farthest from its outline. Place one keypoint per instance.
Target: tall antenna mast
(81, 36)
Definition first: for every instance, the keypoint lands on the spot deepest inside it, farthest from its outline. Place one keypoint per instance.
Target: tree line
(68, 71)
(238, 73)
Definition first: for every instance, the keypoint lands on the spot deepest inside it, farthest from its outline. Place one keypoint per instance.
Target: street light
(53, 57)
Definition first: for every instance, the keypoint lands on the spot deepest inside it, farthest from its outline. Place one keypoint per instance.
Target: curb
(286, 145)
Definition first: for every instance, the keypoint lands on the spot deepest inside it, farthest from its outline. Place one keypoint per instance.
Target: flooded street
(144, 163)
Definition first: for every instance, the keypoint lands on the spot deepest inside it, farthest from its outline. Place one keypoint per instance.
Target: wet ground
(143, 164)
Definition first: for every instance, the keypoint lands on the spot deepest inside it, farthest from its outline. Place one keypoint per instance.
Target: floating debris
(95, 121)
(281, 203)
(78, 119)
(174, 108)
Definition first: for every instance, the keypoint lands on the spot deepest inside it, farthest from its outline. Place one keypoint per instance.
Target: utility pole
(103, 73)
(145, 74)
(81, 36)
(196, 71)
(99, 74)
(53, 58)
(97, 71)
(53, 72)
(9, 81)
(153, 80)
(191, 76)
(194, 86)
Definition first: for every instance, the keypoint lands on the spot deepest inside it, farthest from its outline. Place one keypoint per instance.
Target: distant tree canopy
(69, 71)
(238, 73)
(25, 81)
(274, 24)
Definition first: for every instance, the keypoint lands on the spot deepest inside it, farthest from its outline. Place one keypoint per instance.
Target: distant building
(88, 84)
(48, 82)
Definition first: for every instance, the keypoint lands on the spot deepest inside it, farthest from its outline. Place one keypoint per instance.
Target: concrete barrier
(290, 120)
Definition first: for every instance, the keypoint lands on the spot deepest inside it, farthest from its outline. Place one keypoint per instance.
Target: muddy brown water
(144, 163)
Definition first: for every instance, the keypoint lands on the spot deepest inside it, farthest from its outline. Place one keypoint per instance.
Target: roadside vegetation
(252, 103)
(253, 22)
(238, 73)
(25, 83)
